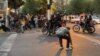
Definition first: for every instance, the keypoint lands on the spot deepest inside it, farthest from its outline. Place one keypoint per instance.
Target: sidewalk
(3, 36)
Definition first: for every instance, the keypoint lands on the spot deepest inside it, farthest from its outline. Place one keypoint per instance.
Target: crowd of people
(20, 22)
(55, 25)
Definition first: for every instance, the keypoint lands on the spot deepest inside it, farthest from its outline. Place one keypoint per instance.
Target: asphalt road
(34, 43)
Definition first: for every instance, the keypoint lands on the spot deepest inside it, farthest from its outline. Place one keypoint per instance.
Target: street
(24, 22)
(34, 43)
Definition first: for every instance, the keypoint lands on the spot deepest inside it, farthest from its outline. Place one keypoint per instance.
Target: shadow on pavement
(95, 34)
(44, 38)
(69, 52)
(59, 52)
(81, 32)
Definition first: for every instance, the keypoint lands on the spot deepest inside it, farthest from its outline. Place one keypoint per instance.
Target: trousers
(68, 40)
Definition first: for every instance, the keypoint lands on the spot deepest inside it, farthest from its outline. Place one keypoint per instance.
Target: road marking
(7, 45)
(90, 39)
(4, 54)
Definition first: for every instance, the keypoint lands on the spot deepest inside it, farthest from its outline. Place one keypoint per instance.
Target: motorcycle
(89, 28)
(3, 27)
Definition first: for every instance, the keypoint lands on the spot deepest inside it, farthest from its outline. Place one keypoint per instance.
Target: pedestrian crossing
(7, 45)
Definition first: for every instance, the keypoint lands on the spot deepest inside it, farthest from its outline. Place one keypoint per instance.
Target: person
(33, 22)
(0, 22)
(36, 21)
(28, 19)
(22, 21)
(63, 33)
(58, 20)
(81, 21)
(50, 25)
(2, 25)
(64, 19)
(87, 21)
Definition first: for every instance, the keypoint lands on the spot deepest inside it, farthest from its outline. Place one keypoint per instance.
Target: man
(87, 22)
(33, 22)
(36, 21)
(63, 33)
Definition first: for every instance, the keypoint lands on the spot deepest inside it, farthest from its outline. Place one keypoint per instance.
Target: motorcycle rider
(87, 21)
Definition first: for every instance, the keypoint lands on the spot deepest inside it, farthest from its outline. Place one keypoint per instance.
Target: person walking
(63, 33)
(22, 21)
(36, 21)
(33, 22)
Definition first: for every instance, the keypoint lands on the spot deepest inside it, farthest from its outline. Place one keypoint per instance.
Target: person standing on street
(33, 22)
(36, 21)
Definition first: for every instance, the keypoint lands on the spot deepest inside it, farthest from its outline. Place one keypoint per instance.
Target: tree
(35, 6)
(53, 8)
(78, 6)
(15, 3)
(96, 6)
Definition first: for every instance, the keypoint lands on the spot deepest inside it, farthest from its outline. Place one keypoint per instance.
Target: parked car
(96, 19)
(73, 18)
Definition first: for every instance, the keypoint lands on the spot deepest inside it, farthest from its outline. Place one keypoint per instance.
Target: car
(96, 19)
(73, 18)
(76, 19)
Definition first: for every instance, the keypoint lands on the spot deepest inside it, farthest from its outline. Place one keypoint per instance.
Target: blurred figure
(33, 22)
(36, 21)
(12, 24)
(2, 25)
(63, 33)
(70, 19)
(27, 19)
(22, 21)
(81, 21)
(64, 19)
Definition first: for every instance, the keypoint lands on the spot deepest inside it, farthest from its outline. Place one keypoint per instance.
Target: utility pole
(6, 13)
(15, 6)
(49, 3)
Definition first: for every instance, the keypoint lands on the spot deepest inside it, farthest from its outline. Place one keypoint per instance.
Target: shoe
(70, 48)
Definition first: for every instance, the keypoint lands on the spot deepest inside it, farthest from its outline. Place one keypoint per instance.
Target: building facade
(3, 10)
(1, 7)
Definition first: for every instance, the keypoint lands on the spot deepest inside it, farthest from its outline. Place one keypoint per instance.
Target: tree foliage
(96, 6)
(74, 7)
(35, 6)
(87, 6)
(15, 3)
